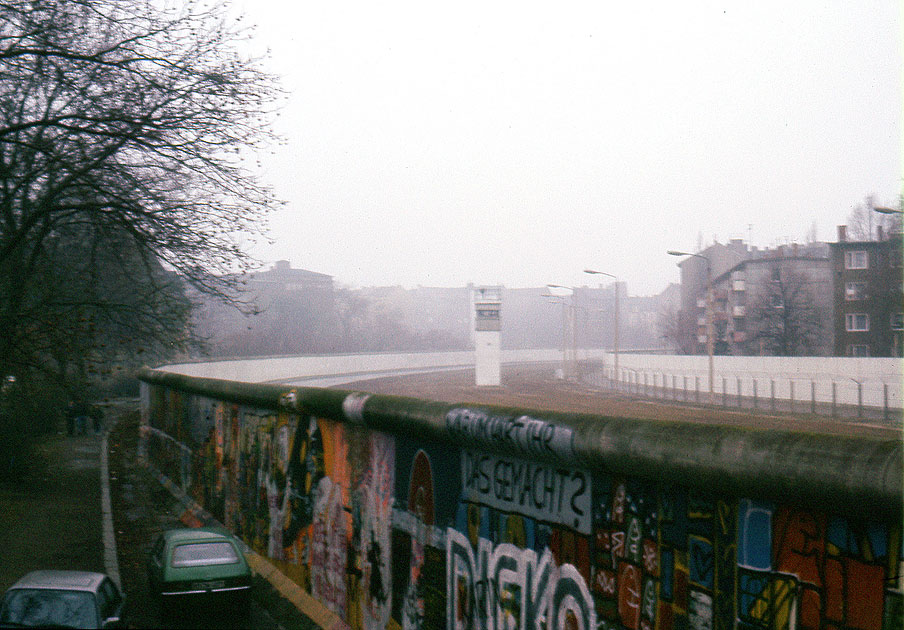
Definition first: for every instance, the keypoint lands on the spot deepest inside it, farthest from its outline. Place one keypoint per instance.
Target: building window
(897, 321)
(858, 350)
(778, 301)
(854, 290)
(856, 322)
(857, 259)
(776, 274)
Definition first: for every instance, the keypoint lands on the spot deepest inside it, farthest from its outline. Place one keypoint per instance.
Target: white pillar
(488, 358)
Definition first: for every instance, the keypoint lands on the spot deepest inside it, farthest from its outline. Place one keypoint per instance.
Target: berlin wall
(401, 513)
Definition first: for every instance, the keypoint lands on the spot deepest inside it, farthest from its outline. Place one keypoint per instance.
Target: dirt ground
(536, 388)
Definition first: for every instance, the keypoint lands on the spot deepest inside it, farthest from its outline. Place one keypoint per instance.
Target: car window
(157, 552)
(102, 602)
(108, 598)
(205, 553)
(47, 607)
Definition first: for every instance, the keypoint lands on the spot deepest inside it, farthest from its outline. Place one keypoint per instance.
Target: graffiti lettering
(618, 546)
(700, 611)
(604, 582)
(634, 543)
(649, 557)
(529, 488)
(507, 586)
(527, 435)
(618, 504)
(649, 599)
(629, 594)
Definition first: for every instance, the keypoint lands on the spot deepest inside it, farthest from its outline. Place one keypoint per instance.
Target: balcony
(738, 285)
(701, 338)
(701, 302)
(738, 311)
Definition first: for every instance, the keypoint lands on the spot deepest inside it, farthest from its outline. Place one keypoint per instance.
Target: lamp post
(567, 326)
(883, 210)
(561, 300)
(603, 273)
(709, 315)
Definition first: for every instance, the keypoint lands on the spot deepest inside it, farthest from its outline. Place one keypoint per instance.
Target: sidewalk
(52, 518)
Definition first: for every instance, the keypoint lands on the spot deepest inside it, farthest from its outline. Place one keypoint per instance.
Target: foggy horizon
(435, 145)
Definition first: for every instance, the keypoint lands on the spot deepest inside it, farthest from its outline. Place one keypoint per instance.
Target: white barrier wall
(283, 369)
(776, 376)
(876, 376)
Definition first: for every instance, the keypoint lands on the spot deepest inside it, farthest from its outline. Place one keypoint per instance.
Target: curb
(111, 562)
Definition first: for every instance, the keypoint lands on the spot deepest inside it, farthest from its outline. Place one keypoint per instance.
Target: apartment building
(867, 294)
(777, 302)
(773, 301)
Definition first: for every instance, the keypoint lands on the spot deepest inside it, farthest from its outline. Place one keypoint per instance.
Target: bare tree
(125, 128)
(863, 222)
(679, 327)
(783, 319)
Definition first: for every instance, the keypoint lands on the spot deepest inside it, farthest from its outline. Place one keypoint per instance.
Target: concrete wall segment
(402, 513)
(768, 464)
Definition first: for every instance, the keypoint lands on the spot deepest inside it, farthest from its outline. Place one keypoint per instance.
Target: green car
(201, 563)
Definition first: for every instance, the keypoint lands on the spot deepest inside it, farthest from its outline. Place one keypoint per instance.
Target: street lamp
(603, 273)
(709, 315)
(567, 324)
(561, 300)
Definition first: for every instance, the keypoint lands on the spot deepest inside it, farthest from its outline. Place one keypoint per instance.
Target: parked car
(62, 599)
(201, 564)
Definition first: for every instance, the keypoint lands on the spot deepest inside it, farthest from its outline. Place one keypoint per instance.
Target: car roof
(196, 534)
(61, 580)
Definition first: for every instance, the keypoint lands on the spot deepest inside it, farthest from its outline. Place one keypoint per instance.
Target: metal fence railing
(850, 399)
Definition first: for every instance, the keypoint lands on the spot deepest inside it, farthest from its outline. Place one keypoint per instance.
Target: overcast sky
(519, 143)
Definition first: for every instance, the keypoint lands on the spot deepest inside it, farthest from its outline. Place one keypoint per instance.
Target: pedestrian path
(51, 518)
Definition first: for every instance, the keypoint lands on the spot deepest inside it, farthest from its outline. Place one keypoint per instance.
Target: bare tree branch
(124, 134)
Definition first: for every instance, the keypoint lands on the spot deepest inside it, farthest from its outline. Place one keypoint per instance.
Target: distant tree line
(319, 322)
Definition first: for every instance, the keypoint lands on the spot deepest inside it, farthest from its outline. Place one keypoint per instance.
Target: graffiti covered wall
(402, 531)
